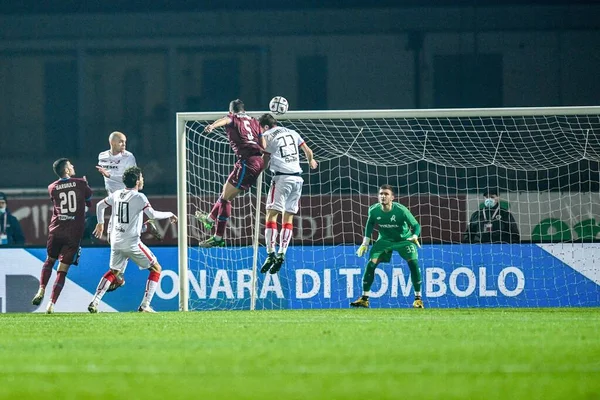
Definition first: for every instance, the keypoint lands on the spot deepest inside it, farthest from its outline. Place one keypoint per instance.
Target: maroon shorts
(65, 249)
(245, 172)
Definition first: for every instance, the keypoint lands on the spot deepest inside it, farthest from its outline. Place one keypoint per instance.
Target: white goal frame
(183, 117)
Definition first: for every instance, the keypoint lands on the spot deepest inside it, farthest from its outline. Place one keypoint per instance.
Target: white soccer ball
(278, 105)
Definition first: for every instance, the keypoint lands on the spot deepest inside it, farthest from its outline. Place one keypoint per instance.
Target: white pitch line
(433, 369)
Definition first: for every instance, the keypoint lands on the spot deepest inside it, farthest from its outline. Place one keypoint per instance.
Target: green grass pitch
(313, 354)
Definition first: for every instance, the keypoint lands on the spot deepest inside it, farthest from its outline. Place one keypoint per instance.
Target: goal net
(542, 162)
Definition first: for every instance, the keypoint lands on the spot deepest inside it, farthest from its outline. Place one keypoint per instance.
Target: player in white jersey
(129, 205)
(282, 152)
(113, 162)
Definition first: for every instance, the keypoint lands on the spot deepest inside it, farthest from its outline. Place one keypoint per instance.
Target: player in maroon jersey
(244, 136)
(69, 196)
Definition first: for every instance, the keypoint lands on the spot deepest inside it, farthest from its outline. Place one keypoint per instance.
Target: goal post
(543, 161)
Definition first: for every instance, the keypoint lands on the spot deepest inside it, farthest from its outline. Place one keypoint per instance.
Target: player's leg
(222, 205)
(287, 230)
(223, 212)
(44, 278)
(69, 255)
(270, 236)
(59, 283)
(274, 206)
(379, 253)
(292, 190)
(53, 250)
(408, 251)
(145, 259)
(151, 284)
(151, 227)
(118, 261)
(243, 176)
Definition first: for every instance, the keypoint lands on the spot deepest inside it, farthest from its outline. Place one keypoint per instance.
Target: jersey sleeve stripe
(146, 206)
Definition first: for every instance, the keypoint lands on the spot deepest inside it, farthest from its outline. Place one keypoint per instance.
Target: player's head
(63, 168)
(491, 197)
(236, 106)
(386, 194)
(117, 141)
(133, 178)
(267, 121)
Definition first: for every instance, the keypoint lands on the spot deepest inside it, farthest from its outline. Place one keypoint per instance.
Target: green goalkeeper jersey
(395, 225)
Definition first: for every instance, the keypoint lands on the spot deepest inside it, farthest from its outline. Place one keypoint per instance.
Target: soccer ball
(278, 105)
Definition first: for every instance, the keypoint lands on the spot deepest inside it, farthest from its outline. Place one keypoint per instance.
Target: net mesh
(546, 169)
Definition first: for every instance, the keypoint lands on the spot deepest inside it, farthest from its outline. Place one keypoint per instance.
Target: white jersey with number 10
(283, 145)
(128, 206)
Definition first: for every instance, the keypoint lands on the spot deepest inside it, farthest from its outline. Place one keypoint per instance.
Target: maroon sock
(46, 273)
(224, 213)
(58, 285)
(215, 209)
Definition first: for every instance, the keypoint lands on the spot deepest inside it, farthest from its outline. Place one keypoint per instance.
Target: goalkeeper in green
(398, 231)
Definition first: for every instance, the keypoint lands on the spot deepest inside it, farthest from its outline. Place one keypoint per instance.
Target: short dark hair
(267, 120)
(59, 166)
(131, 176)
(387, 187)
(490, 192)
(237, 106)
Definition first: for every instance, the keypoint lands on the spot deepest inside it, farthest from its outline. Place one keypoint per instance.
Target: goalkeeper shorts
(383, 249)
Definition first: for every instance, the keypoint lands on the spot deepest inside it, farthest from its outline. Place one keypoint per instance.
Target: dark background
(72, 72)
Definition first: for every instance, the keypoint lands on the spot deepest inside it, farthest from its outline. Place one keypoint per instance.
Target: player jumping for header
(398, 231)
(243, 133)
(282, 155)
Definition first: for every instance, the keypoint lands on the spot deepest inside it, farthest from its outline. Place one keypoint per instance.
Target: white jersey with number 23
(283, 145)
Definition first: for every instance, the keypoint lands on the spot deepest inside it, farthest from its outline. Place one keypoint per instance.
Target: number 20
(68, 202)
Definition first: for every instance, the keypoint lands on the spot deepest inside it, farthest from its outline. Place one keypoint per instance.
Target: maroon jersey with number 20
(69, 198)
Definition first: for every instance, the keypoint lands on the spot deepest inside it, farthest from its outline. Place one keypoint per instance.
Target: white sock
(418, 293)
(270, 239)
(101, 289)
(285, 238)
(151, 285)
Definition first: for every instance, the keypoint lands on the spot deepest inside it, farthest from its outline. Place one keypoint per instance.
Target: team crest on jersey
(393, 219)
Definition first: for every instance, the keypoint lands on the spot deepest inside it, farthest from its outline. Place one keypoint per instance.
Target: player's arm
(368, 233)
(217, 124)
(105, 173)
(88, 194)
(266, 158)
(100, 207)
(153, 214)
(309, 155)
(415, 227)
(270, 147)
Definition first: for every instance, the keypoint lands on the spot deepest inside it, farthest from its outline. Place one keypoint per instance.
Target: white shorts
(285, 193)
(139, 253)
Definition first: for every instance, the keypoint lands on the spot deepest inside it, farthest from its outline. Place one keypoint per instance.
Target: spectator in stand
(492, 223)
(10, 228)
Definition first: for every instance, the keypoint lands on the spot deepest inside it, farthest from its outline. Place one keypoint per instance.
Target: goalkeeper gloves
(415, 240)
(362, 250)
(363, 247)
